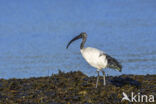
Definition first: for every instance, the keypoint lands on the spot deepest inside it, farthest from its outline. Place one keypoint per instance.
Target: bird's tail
(113, 63)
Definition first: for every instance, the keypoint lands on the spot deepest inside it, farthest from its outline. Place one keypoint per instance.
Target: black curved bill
(75, 38)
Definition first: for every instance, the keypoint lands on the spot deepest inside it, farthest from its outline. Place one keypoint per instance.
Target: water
(34, 34)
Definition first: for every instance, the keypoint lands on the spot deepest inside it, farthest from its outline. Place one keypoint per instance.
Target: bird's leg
(104, 81)
(97, 79)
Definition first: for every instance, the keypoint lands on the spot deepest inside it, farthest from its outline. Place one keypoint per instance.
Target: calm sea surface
(34, 34)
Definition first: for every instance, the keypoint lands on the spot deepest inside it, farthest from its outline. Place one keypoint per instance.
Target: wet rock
(73, 88)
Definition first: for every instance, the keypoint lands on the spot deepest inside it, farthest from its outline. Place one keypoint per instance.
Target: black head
(82, 35)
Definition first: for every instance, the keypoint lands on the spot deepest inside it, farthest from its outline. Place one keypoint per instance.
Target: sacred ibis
(96, 58)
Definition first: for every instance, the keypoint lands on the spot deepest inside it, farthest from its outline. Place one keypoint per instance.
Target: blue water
(34, 34)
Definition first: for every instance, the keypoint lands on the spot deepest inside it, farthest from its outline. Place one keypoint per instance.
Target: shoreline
(74, 87)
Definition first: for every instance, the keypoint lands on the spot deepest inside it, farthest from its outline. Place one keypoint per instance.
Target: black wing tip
(113, 63)
(120, 69)
(119, 66)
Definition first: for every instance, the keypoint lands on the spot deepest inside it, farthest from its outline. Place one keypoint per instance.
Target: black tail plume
(113, 63)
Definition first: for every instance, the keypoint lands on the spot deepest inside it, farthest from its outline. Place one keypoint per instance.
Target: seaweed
(74, 88)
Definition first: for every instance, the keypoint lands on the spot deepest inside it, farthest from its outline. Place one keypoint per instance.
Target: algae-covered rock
(74, 88)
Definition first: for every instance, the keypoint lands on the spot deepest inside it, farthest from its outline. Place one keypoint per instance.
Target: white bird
(96, 58)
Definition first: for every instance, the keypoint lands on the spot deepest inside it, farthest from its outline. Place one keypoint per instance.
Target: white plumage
(96, 58)
(92, 56)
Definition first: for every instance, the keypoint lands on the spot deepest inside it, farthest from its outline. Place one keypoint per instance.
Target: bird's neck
(82, 43)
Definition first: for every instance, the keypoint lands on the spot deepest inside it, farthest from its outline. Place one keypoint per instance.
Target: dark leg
(97, 79)
(104, 81)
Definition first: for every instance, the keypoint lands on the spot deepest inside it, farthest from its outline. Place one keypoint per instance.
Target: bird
(96, 58)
